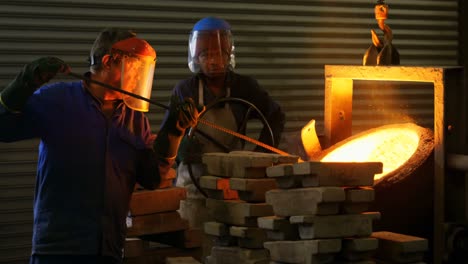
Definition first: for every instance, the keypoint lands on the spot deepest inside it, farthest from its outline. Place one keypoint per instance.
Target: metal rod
(220, 128)
(84, 78)
(244, 137)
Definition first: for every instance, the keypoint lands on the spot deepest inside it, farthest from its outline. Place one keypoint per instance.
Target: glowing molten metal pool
(393, 145)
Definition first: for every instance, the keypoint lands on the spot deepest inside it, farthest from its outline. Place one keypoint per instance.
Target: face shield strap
(94, 60)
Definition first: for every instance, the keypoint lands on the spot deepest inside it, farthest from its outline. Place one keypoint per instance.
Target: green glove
(33, 76)
(182, 115)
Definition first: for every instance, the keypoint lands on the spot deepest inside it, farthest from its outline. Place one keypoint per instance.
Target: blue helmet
(211, 40)
(211, 23)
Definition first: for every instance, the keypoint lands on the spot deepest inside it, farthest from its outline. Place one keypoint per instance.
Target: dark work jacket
(87, 168)
(243, 87)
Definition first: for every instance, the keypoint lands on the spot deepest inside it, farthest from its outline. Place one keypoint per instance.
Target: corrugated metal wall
(284, 44)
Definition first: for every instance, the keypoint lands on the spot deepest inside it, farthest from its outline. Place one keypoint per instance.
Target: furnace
(449, 136)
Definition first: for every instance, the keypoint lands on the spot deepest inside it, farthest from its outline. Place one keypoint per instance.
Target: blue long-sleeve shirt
(87, 168)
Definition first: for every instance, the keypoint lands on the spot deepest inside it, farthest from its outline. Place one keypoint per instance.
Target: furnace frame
(450, 117)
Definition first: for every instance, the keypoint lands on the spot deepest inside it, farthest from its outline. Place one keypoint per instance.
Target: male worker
(211, 59)
(95, 145)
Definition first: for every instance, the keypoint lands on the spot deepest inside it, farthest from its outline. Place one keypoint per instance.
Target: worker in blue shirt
(95, 145)
(211, 58)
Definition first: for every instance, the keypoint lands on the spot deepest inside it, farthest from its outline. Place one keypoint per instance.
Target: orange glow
(391, 146)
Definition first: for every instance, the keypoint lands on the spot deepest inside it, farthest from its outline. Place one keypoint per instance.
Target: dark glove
(33, 76)
(182, 115)
(190, 150)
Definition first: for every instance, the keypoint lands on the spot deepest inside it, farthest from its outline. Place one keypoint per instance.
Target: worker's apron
(222, 116)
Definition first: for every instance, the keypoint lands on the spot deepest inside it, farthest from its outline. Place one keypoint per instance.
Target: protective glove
(182, 115)
(33, 76)
(190, 150)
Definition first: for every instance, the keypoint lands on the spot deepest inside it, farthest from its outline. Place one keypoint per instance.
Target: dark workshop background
(283, 44)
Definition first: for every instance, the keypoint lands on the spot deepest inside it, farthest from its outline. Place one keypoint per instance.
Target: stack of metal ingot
(234, 236)
(155, 229)
(399, 248)
(320, 213)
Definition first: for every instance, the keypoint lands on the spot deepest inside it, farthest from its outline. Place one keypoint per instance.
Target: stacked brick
(181, 260)
(193, 208)
(155, 229)
(320, 213)
(236, 183)
(398, 248)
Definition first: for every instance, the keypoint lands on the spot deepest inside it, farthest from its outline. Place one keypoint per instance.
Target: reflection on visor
(213, 56)
(137, 78)
(212, 43)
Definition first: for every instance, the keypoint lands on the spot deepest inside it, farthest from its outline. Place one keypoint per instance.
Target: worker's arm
(14, 96)
(14, 125)
(161, 158)
(269, 108)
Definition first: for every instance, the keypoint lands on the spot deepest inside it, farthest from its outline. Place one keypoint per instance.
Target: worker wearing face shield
(211, 58)
(95, 145)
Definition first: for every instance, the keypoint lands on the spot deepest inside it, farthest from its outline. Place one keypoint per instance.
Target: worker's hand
(33, 76)
(190, 150)
(42, 70)
(182, 115)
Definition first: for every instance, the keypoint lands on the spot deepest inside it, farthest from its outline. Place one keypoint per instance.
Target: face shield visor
(138, 61)
(211, 51)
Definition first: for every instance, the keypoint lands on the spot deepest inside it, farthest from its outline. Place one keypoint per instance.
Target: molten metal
(393, 146)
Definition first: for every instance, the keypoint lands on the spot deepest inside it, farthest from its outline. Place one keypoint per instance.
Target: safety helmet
(138, 60)
(211, 42)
